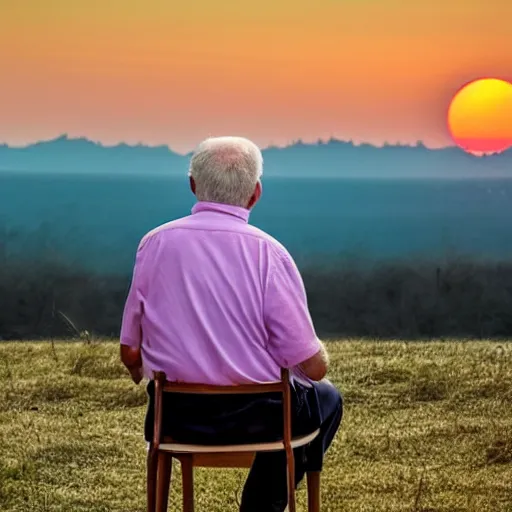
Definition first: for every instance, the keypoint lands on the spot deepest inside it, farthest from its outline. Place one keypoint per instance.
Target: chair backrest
(162, 385)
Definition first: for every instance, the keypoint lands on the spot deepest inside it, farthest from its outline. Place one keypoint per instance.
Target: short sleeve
(131, 330)
(292, 337)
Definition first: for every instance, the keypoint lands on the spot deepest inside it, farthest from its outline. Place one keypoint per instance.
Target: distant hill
(333, 158)
(82, 155)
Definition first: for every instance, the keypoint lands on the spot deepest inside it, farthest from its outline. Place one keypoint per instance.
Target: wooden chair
(160, 454)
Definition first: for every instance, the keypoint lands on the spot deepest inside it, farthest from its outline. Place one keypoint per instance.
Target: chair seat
(253, 447)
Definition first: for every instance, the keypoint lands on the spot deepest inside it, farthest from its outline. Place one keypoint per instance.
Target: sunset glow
(167, 72)
(480, 116)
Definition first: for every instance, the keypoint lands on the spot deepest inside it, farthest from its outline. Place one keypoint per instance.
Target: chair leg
(151, 474)
(187, 474)
(290, 474)
(313, 491)
(163, 481)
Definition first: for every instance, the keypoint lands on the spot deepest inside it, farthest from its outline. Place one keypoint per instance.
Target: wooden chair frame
(159, 461)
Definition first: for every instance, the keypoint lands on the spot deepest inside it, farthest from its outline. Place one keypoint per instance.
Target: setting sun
(480, 116)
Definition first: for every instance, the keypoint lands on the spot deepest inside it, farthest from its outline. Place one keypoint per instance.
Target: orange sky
(162, 72)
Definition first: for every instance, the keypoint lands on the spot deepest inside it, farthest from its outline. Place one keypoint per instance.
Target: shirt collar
(227, 209)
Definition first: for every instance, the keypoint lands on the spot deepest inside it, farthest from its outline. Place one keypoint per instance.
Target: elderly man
(217, 301)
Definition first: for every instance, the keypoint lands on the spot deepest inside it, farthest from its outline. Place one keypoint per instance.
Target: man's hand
(131, 358)
(136, 374)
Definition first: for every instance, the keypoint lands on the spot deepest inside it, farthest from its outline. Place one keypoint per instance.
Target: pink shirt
(215, 300)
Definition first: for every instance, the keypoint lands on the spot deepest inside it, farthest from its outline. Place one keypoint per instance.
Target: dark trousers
(248, 419)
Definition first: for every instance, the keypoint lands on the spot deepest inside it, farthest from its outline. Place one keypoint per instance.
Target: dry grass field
(427, 427)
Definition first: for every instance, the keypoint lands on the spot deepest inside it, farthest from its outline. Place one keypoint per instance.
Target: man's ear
(192, 185)
(255, 196)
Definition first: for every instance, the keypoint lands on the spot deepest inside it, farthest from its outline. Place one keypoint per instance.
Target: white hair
(226, 170)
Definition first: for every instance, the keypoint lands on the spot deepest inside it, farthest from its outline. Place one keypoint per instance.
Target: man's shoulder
(162, 230)
(275, 246)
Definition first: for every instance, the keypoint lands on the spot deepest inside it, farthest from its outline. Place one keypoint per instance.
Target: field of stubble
(427, 427)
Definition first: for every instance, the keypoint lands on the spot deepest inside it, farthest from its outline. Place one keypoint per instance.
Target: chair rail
(240, 389)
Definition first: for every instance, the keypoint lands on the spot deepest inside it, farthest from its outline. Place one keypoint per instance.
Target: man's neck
(223, 209)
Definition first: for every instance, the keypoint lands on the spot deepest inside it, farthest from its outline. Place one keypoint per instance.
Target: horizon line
(293, 142)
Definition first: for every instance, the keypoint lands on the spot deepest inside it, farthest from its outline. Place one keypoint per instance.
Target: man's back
(218, 301)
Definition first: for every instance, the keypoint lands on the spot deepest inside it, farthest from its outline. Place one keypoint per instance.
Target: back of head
(226, 170)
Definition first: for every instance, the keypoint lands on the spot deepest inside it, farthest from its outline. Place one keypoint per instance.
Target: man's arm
(131, 358)
(293, 342)
(131, 330)
(316, 367)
